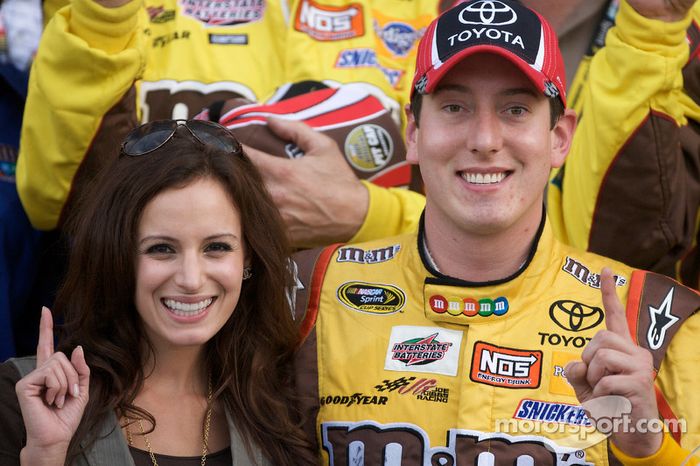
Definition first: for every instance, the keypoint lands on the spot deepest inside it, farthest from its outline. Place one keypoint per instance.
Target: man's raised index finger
(615, 319)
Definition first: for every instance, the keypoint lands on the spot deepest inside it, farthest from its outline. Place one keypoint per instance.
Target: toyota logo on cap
(488, 13)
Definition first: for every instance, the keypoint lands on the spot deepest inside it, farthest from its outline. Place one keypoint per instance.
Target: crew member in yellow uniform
(449, 345)
(105, 65)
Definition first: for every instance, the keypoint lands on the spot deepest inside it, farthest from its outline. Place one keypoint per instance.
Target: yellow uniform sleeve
(621, 175)
(88, 59)
(391, 211)
(670, 454)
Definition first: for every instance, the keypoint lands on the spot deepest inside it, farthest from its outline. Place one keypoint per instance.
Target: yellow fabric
(60, 120)
(679, 381)
(379, 297)
(88, 20)
(390, 210)
(90, 56)
(355, 347)
(385, 62)
(638, 71)
(670, 454)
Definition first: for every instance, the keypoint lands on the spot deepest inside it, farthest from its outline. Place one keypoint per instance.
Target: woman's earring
(247, 273)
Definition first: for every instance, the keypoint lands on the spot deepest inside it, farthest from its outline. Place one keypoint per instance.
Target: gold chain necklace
(205, 434)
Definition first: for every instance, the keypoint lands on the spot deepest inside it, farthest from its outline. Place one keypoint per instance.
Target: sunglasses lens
(147, 138)
(214, 135)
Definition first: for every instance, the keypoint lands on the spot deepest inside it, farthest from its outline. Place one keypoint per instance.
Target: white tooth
(483, 178)
(183, 309)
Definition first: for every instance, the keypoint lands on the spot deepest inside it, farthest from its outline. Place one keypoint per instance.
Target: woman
(177, 322)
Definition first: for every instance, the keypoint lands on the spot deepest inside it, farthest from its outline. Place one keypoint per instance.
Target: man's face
(485, 147)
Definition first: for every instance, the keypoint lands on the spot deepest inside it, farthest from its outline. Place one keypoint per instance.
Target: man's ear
(411, 136)
(562, 136)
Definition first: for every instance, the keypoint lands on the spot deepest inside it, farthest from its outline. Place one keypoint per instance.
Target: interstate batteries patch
(423, 349)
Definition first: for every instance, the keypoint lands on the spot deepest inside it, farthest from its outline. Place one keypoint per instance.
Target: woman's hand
(52, 398)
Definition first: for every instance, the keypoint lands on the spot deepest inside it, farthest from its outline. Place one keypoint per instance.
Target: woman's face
(189, 264)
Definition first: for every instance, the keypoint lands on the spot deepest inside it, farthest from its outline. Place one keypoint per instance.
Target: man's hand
(663, 10)
(319, 196)
(612, 364)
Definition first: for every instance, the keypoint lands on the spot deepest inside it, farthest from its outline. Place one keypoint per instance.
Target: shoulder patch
(657, 306)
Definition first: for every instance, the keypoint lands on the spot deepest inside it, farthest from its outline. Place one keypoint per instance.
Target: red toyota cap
(504, 27)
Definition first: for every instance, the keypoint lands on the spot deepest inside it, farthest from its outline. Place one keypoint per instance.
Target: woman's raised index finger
(44, 349)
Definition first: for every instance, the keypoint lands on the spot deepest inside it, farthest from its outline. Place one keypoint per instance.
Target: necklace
(205, 434)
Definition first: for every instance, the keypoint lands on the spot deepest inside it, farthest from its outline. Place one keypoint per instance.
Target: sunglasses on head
(151, 136)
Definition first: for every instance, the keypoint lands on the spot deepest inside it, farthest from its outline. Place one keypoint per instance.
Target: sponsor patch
(371, 443)
(547, 411)
(373, 298)
(469, 307)
(555, 339)
(398, 37)
(557, 378)
(422, 388)
(162, 41)
(369, 147)
(329, 23)
(228, 39)
(423, 349)
(159, 15)
(370, 256)
(354, 399)
(435, 395)
(583, 274)
(574, 316)
(661, 321)
(223, 12)
(367, 58)
(506, 367)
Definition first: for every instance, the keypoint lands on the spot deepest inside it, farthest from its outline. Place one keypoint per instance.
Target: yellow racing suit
(402, 365)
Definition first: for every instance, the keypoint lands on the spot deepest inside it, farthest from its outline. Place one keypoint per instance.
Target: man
(419, 348)
(631, 192)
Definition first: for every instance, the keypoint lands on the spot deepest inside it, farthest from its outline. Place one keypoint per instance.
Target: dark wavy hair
(249, 359)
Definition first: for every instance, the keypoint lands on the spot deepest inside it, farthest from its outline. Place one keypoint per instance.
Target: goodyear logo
(373, 298)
